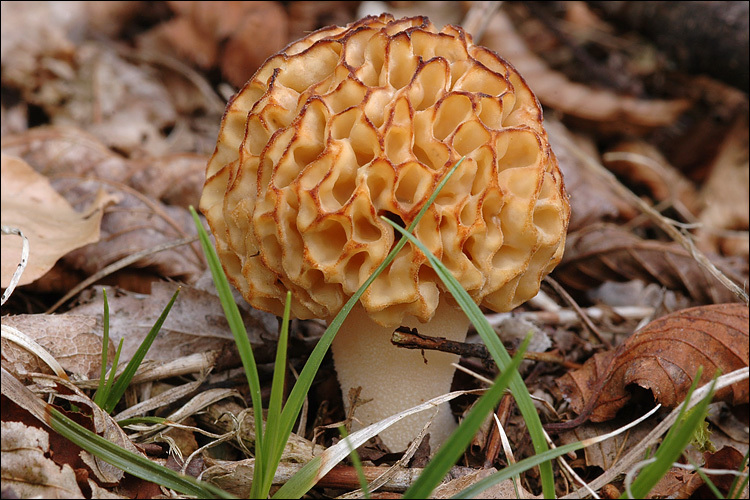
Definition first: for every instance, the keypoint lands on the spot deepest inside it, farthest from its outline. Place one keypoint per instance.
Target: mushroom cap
(352, 123)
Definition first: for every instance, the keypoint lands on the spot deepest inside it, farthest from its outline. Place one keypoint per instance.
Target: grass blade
(499, 354)
(123, 381)
(136, 465)
(244, 348)
(111, 378)
(456, 444)
(514, 470)
(739, 483)
(673, 445)
(100, 395)
(273, 442)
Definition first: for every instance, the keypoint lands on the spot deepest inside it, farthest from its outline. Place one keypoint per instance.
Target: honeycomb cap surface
(352, 123)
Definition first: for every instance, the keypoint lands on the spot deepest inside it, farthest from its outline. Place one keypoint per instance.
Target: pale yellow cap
(352, 123)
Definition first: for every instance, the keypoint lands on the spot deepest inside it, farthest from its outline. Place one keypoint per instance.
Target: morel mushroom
(353, 123)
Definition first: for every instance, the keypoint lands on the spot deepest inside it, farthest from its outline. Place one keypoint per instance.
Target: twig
(410, 339)
(494, 442)
(567, 316)
(478, 18)
(586, 320)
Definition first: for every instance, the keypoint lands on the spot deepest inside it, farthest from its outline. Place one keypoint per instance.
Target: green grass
(674, 443)
(109, 394)
(132, 463)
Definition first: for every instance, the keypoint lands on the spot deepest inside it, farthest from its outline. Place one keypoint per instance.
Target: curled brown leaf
(604, 107)
(664, 357)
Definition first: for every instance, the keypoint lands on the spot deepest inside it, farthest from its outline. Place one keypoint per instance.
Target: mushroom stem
(397, 379)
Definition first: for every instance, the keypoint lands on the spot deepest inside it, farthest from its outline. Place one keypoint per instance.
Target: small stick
(494, 443)
(409, 338)
(584, 317)
(569, 316)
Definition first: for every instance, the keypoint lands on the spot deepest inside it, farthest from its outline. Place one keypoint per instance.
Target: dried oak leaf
(605, 252)
(664, 357)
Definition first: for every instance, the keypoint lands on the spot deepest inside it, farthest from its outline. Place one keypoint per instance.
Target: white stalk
(396, 378)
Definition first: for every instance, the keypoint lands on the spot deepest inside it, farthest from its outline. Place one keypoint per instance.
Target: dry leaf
(503, 489)
(236, 36)
(33, 35)
(638, 163)
(175, 179)
(676, 483)
(71, 339)
(591, 199)
(605, 252)
(664, 357)
(88, 414)
(80, 166)
(53, 228)
(727, 458)
(27, 471)
(87, 84)
(605, 108)
(196, 322)
(726, 198)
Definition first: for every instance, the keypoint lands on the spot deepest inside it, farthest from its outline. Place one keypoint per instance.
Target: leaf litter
(134, 114)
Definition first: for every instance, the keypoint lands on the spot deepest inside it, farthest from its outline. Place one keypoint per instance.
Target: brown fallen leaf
(725, 197)
(79, 166)
(235, 36)
(70, 338)
(640, 164)
(52, 226)
(173, 178)
(664, 357)
(196, 322)
(682, 483)
(26, 470)
(676, 483)
(605, 252)
(607, 109)
(727, 458)
(592, 200)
